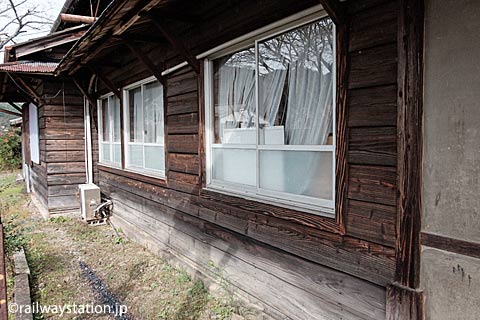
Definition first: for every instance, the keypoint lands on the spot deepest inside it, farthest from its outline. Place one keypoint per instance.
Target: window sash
(111, 123)
(127, 123)
(315, 205)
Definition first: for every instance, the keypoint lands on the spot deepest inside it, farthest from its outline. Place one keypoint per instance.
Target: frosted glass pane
(235, 165)
(117, 153)
(105, 152)
(305, 173)
(154, 158)
(135, 156)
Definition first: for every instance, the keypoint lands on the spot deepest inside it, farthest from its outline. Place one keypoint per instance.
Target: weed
(183, 277)
(59, 219)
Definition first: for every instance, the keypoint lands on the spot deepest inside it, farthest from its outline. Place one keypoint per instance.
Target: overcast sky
(49, 11)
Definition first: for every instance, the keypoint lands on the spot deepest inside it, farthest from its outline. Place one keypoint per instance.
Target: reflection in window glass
(286, 150)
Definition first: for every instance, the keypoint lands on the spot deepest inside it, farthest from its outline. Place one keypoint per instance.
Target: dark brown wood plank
(373, 184)
(373, 67)
(374, 27)
(182, 104)
(184, 182)
(361, 258)
(185, 143)
(183, 123)
(187, 163)
(373, 146)
(371, 222)
(375, 106)
(341, 166)
(182, 83)
(405, 303)
(410, 143)
(466, 248)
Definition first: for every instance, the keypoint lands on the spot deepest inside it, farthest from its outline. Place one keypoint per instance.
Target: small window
(270, 110)
(110, 130)
(145, 151)
(33, 132)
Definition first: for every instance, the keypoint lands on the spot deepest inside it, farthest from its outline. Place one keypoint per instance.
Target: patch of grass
(59, 219)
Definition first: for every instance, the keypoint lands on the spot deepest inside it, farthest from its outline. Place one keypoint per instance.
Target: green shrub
(10, 149)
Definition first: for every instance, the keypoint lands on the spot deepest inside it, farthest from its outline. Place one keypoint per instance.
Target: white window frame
(126, 111)
(34, 133)
(111, 143)
(298, 202)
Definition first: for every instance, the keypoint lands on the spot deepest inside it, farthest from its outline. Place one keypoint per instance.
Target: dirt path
(75, 264)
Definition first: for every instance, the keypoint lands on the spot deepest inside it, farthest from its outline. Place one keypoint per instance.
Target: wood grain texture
(410, 143)
(372, 262)
(373, 107)
(373, 146)
(373, 67)
(404, 303)
(467, 248)
(373, 184)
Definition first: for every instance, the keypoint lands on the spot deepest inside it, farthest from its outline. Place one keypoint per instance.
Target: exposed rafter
(110, 85)
(147, 62)
(174, 41)
(15, 106)
(13, 113)
(335, 9)
(25, 87)
(83, 91)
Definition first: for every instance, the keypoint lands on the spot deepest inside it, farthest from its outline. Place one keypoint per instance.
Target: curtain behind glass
(234, 94)
(136, 115)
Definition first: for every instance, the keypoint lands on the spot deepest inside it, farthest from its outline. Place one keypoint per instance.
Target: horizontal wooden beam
(12, 113)
(174, 41)
(466, 248)
(74, 18)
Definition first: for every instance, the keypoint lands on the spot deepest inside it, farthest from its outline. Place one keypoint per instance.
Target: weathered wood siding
(62, 151)
(314, 268)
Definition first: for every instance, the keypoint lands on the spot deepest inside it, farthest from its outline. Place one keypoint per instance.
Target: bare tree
(18, 17)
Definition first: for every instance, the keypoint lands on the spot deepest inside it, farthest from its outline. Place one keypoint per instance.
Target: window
(33, 131)
(270, 118)
(145, 131)
(109, 130)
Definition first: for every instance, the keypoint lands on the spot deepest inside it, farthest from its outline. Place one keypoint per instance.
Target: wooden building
(281, 142)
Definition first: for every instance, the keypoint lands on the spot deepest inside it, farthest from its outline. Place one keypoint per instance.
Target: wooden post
(3, 279)
(335, 10)
(404, 300)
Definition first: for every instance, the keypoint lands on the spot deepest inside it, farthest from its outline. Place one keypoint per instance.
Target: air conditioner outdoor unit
(89, 200)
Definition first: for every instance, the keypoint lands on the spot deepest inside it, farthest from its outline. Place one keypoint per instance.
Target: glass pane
(296, 72)
(234, 98)
(153, 112)
(105, 121)
(307, 173)
(105, 157)
(235, 165)
(154, 158)
(115, 112)
(135, 114)
(135, 155)
(117, 153)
